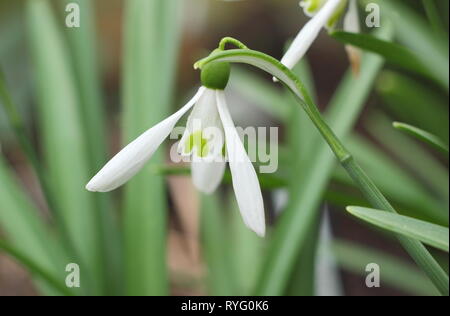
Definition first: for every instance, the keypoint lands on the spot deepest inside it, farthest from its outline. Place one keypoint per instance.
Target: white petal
(132, 158)
(308, 34)
(207, 174)
(245, 181)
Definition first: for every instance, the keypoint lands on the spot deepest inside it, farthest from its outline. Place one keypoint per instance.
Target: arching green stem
(272, 66)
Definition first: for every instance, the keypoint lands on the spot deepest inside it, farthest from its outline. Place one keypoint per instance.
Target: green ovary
(196, 140)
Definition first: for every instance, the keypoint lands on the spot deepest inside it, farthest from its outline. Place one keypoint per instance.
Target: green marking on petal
(311, 7)
(224, 150)
(338, 13)
(196, 140)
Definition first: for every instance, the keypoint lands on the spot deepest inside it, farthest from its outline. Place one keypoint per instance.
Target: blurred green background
(83, 93)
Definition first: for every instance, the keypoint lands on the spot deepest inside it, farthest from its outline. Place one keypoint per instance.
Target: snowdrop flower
(324, 13)
(203, 139)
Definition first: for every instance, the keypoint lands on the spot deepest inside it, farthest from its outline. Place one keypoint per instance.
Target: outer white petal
(308, 34)
(245, 181)
(207, 175)
(132, 158)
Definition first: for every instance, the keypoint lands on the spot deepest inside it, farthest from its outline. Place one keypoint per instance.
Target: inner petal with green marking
(196, 144)
(335, 18)
(311, 7)
(204, 135)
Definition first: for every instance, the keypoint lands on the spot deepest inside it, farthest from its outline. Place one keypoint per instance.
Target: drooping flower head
(323, 13)
(210, 132)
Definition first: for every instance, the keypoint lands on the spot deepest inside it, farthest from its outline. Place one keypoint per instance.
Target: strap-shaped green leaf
(151, 39)
(35, 268)
(395, 54)
(425, 136)
(428, 233)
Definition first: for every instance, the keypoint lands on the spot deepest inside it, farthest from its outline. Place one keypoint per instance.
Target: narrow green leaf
(246, 251)
(428, 233)
(415, 158)
(413, 31)
(302, 140)
(82, 42)
(64, 146)
(411, 101)
(151, 43)
(353, 257)
(393, 53)
(422, 135)
(36, 269)
(303, 278)
(26, 230)
(432, 12)
(395, 181)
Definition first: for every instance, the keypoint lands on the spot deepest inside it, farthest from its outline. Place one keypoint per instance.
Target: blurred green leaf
(82, 42)
(414, 32)
(220, 277)
(246, 251)
(260, 92)
(393, 53)
(26, 230)
(435, 20)
(413, 102)
(428, 233)
(341, 197)
(302, 281)
(410, 154)
(301, 140)
(395, 182)
(422, 135)
(396, 273)
(64, 146)
(35, 269)
(151, 44)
